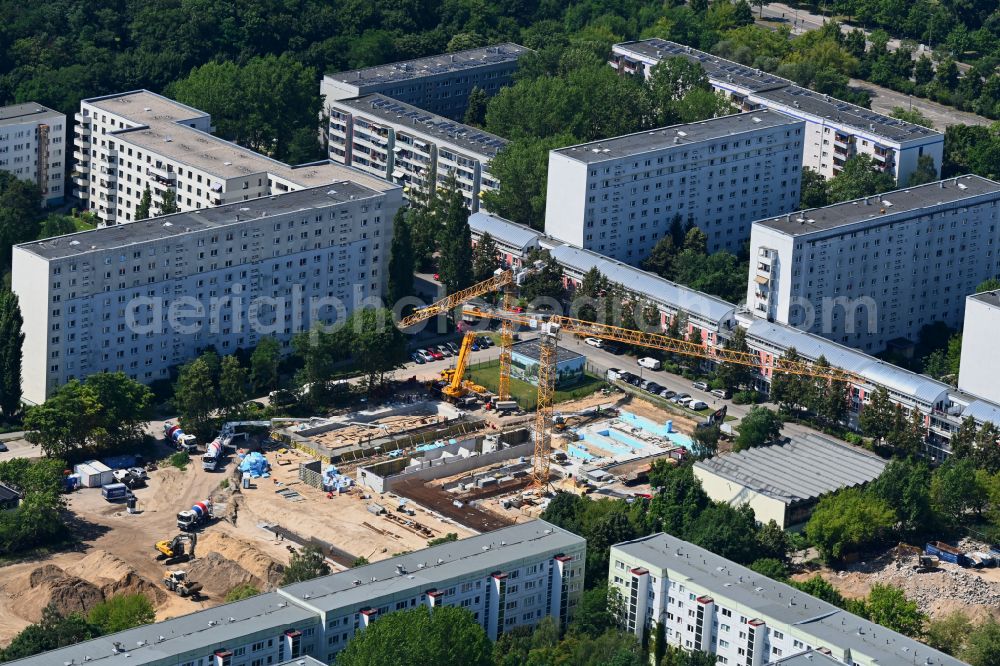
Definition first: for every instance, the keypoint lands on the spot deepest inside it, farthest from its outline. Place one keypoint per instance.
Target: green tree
(727, 531)
(888, 606)
(992, 284)
(859, 178)
(485, 258)
(359, 562)
(905, 484)
(787, 389)
(926, 172)
(963, 441)
(240, 592)
(949, 633)
(736, 375)
(306, 564)
(20, 214)
(772, 541)
(124, 409)
(168, 203)
(669, 82)
(521, 167)
(983, 645)
(447, 538)
(544, 283)
(475, 109)
(11, 339)
(705, 441)
(876, 418)
(56, 225)
(849, 521)
(771, 567)
(142, 210)
(234, 381)
(815, 189)
(196, 394)
(661, 257)
(912, 116)
(402, 264)
(55, 630)
(264, 364)
(759, 427)
(374, 343)
(956, 491)
(122, 612)
(593, 617)
(821, 589)
(443, 636)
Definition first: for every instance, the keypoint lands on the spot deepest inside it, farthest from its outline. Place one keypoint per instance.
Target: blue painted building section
(524, 364)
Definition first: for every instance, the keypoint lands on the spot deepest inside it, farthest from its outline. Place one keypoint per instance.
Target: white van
(697, 405)
(650, 363)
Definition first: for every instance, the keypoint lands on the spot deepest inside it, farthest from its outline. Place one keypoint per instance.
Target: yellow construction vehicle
(176, 550)
(457, 387)
(177, 582)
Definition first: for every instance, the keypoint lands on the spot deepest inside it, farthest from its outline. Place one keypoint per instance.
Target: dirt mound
(114, 576)
(46, 584)
(243, 553)
(220, 574)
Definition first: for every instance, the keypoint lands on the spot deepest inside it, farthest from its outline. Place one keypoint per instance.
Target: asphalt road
(884, 100)
(19, 448)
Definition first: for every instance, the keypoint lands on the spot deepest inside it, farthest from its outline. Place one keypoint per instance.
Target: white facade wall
(623, 205)
(867, 282)
(980, 366)
(721, 489)
(107, 309)
(33, 147)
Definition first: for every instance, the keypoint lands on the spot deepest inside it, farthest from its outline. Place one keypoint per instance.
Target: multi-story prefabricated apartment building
(439, 84)
(411, 147)
(32, 147)
(619, 196)
(705, 602)
(143, 297)
(835, 130)
(509, 578)
(125, 143)
(873, 270)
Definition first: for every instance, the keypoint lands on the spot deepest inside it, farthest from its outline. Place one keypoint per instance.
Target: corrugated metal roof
(510, 233)
(981, 410)
(801, 470)
(652, 286)
(811, 346)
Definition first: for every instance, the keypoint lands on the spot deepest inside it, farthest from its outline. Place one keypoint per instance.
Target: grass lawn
(526, 394)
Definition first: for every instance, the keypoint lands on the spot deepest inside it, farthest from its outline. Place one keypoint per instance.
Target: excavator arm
(454, 388)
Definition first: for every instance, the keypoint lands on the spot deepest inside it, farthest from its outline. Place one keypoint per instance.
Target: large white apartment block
(411, 147)
(509, 578)
(438, 84)
(708, 603)
(835, 130)
(33, 147)
(141, 298)
(980, 366)
(127, 142)
(619, 196)
(877, 269)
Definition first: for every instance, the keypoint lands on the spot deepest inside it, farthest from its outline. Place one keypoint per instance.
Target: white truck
(178, 438)
(212, 457)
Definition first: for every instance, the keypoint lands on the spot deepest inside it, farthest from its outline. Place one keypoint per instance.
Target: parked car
(417, 358)
(679, 397)
(720, 393)
(684, 402)
(435, 354)
(650, 363)
(613, 374)
(701, 386)
(625, 377)
(447, 353)
(645, 384)
(654, 388)
(484, 341)
(697, 405)
(613, 348)
(594, 342)
(667, 393)
(453, 347)
(3, 447)
(426, 355)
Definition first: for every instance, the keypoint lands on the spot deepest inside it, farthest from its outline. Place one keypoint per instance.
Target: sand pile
(33, 591)
(220, 574)
(114, 576)
(250, 558)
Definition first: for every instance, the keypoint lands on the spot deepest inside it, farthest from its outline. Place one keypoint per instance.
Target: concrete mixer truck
(212, 458)
(180, 440)
(199, 514)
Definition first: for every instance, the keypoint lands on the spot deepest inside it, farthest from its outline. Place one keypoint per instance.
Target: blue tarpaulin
(256, 465)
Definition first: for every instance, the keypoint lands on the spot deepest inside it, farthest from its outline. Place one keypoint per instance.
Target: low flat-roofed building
(706, 602)
(620, 196)
(439, 83)
(411, 147)
(783, 482)
(33, 147)
(525, 357)
(835, 130)
(869, 271)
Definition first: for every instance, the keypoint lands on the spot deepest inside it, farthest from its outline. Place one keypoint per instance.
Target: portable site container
(107, 474)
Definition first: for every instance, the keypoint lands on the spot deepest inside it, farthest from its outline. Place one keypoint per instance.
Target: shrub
(180, 460)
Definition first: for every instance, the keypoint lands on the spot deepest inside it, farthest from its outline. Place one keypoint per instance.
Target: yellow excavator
(458, 387)
(176, 550)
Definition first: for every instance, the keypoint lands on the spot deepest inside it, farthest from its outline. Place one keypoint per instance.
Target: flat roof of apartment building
(162, 132)
(201, 630)
(424, 569)
(179, 224)
(803, 469)
(431, 65)
(503, 230)
(715, 67)
(440, 128)
(27, 112)
(833, 626)
(911, 199)
(987, 297)
(641, 143)
(782, 91)
(853, 116)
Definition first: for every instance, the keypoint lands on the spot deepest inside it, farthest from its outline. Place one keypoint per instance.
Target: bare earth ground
(116, 552)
